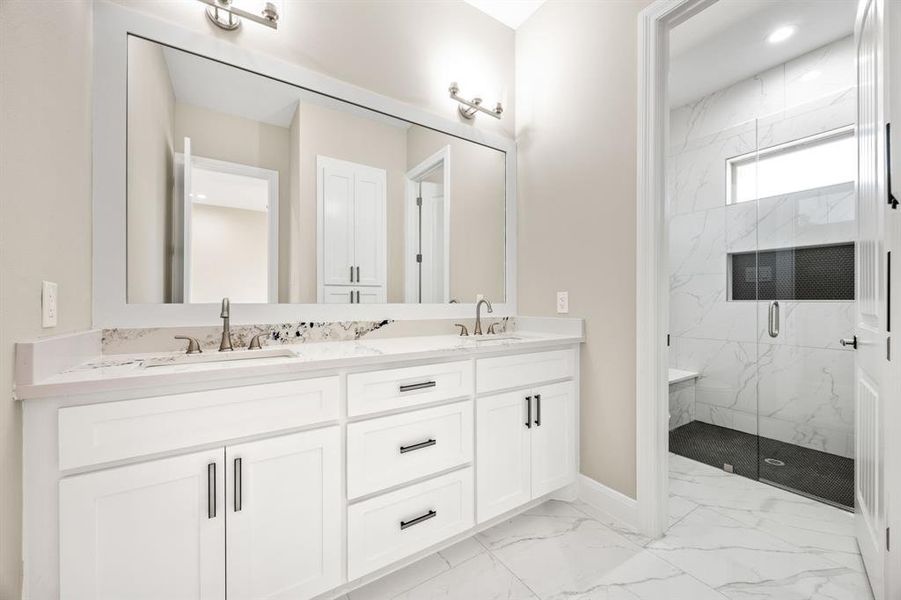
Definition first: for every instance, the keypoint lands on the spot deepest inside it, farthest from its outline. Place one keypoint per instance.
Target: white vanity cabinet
(291, 487)
(525, 440)
(150, 530)
(254, 520)
(283, 513)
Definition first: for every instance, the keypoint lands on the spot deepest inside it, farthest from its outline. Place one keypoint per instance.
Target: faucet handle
(463, 329)
(491, 328)
(193, 344)
(255, 342)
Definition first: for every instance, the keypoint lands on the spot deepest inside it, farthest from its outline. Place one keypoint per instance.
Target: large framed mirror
(223, 173)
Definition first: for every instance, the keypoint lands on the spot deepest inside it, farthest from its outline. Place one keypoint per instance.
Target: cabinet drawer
(390, 527)
(377, 391)
(392, 450)
(100, 433)
(519, 370)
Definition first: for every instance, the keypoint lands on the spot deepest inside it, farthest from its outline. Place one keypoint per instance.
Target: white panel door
(284, 505)
(503, 455)
(871, 364)
(145, 532)
(336, 213)
(553, 437)
(369, 225)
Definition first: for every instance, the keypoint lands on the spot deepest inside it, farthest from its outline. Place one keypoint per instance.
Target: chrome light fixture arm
(228, 17)
(469, 108)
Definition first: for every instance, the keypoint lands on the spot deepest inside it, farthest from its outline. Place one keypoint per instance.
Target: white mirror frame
(112, 25)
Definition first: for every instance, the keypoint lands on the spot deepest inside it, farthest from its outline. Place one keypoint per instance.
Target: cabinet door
(338, 294)
(503, 461)
(553, 437)
(336, 209)
(369, 225)
(147, 531)
(284, 503)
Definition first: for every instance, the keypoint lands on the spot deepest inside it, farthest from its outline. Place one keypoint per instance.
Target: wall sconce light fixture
(226, 16)
(469, 108)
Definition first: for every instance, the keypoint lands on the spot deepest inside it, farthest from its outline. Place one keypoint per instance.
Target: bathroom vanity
(289, 476)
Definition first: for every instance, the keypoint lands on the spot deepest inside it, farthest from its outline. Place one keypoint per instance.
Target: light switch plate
(562, 303)
(49, 292)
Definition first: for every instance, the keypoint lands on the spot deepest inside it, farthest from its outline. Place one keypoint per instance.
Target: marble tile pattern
(729, 538)
(796, 387)
(681, 403)
(162, 339)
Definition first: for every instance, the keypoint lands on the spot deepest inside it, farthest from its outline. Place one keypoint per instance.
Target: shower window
(813, 162)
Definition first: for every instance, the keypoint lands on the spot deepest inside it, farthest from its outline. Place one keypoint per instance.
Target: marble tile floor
(729, 538)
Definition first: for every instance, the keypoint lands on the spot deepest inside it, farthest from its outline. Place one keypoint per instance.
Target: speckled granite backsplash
(162, 339)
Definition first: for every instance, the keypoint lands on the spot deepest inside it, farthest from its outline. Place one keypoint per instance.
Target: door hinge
(419, 258)
(419, 201)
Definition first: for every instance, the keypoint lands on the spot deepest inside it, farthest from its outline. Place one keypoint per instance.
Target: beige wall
(576, 84)
(45, 208)
(235, 139)
(226, 254)
(151, 119)
(339, 134)
(477, 201)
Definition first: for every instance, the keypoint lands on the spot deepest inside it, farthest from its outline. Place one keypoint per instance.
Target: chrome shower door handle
(773, 320)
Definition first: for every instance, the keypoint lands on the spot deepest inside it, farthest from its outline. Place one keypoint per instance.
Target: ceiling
(727, 42)
(511, 13)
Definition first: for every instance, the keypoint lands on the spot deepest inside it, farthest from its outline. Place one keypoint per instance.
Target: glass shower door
(803, 173)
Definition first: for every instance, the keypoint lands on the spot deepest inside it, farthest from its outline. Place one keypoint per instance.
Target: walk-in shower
(762, 231)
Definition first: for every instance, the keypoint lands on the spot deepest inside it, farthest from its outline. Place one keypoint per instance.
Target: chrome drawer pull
(429, 515)
(419, 446)
(538, 410)
(410, 387)
(528, 412)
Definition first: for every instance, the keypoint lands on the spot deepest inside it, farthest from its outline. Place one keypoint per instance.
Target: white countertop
(678, 376)
(127, 373)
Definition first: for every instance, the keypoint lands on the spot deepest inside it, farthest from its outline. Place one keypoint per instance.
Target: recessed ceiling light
(781, 34)
(811, 75)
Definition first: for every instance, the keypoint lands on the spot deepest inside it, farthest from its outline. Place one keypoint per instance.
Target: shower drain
(774, 462)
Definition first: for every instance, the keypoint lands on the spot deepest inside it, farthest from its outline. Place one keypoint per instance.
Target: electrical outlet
(49, 291)
(562, 303)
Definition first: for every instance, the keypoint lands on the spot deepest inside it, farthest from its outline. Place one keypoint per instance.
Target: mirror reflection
(246, 187)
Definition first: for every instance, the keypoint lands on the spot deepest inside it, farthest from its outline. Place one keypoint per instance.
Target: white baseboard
(609, 501)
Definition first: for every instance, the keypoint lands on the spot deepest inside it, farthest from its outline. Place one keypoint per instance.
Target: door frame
(440, 158)
(651, 267)
(233, 168)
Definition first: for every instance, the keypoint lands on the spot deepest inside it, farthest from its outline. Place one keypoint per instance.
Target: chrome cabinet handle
(358, 296)
(413, 447)
(429, 515)
(845, 342)
(351, 273)
(529, 412)
(239, 485)
(351, 296)
(773, 321)
(211, 491)
(538, 410)
(358, 274)
(410, 387)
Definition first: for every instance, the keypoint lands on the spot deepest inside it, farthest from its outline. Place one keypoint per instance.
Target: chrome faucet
(477, 330)
(226, 344)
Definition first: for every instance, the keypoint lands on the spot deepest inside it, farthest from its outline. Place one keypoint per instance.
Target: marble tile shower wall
(796, 387)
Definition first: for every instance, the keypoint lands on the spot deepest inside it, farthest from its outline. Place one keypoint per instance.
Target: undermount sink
(493, 337)
(212, 356)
